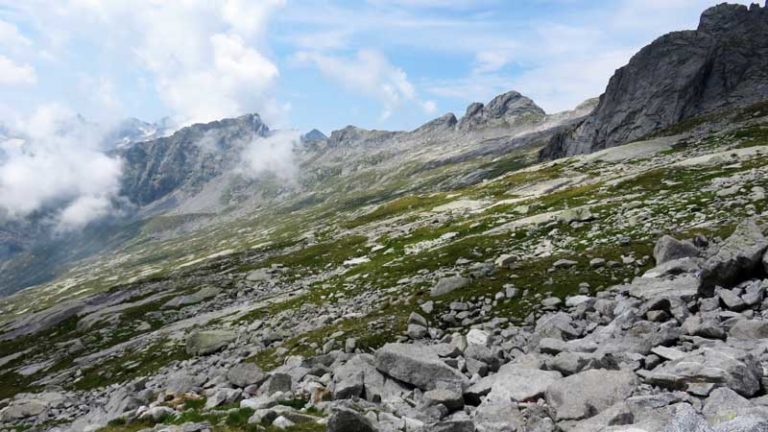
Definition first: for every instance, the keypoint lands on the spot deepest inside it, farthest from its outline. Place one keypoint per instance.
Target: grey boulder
(669, 248)
(245, 374)
(587, 393)
(347, 420)
(417, 365)
(738, 258)
(208, 342)
(448, 284)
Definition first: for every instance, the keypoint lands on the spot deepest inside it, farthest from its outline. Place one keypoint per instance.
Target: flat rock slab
(417, 365)
(209, 342)
(514, 382)
(447, 285)
(587, 393)
(726, 368)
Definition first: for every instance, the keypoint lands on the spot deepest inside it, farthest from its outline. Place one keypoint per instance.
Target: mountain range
(599, 269)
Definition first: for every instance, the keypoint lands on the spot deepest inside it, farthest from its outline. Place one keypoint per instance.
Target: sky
(300, 64)
(382, 64)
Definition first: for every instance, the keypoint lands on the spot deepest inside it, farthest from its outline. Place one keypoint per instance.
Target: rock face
(682, 75)
(189, 157)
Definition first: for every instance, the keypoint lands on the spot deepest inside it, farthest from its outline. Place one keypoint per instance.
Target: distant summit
(313, 136)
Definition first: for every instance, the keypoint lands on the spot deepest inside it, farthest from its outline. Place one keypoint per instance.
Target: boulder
(514, 382)
(209, 341)
(723, 405)
(347, 420)
(417, 365)
(749, 329)
(739, 258)
(245, 374)
(731, 368)
(669, 248)
(451, 399)
(22, 409)
(448, 284)
(453, 426)
(220, 396)
(277, 382)
(587, 393)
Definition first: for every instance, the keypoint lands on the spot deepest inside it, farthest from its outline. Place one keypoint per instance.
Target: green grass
(147, 361)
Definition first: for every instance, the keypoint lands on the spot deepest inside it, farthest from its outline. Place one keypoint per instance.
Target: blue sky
(384, 64)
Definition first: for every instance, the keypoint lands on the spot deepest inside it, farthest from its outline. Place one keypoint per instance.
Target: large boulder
(22, 409)
(245, 374)
(738, 259)
(724, 404)
(669, 248)
(448, 284)
(721, 366)
(749, 329)
(347, 420)
(513, 382)
(417, 365)
(587, 393)
(209, 341)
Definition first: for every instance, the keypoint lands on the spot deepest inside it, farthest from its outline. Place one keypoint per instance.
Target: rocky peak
(726, 17)
(507, 110)
(313, 136)
(721, 66)
(191, 156)
(442, 123)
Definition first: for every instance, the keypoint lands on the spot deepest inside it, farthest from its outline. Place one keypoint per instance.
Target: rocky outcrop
(721, 65)
(509, 110)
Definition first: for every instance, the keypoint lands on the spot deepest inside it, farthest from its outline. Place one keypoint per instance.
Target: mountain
(721, 65)
(438, 279)
(195, 177)
(133, 130)
(191, 157)
(507, 110)
(314, 136)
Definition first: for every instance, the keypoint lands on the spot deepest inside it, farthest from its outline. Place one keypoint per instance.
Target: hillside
(442, 279)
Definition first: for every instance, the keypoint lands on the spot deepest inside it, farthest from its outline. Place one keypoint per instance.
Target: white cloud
(274, 154)
(11, 38)
(371, 74)
(16, 74)
(205, 59)
(56, 164)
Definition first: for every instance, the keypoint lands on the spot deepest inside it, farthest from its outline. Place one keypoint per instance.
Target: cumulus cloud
(369, 73)
(205, 69)
(54, 164)
(12, 73)
(274, 154)
(205, 60)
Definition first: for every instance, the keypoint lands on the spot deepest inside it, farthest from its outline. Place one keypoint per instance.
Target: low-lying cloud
(54, 163)
(274, 154)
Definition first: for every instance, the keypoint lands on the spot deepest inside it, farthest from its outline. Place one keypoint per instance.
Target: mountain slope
(721, 65)
(197, 177)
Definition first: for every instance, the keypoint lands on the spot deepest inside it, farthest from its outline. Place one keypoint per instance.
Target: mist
(53, 161)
